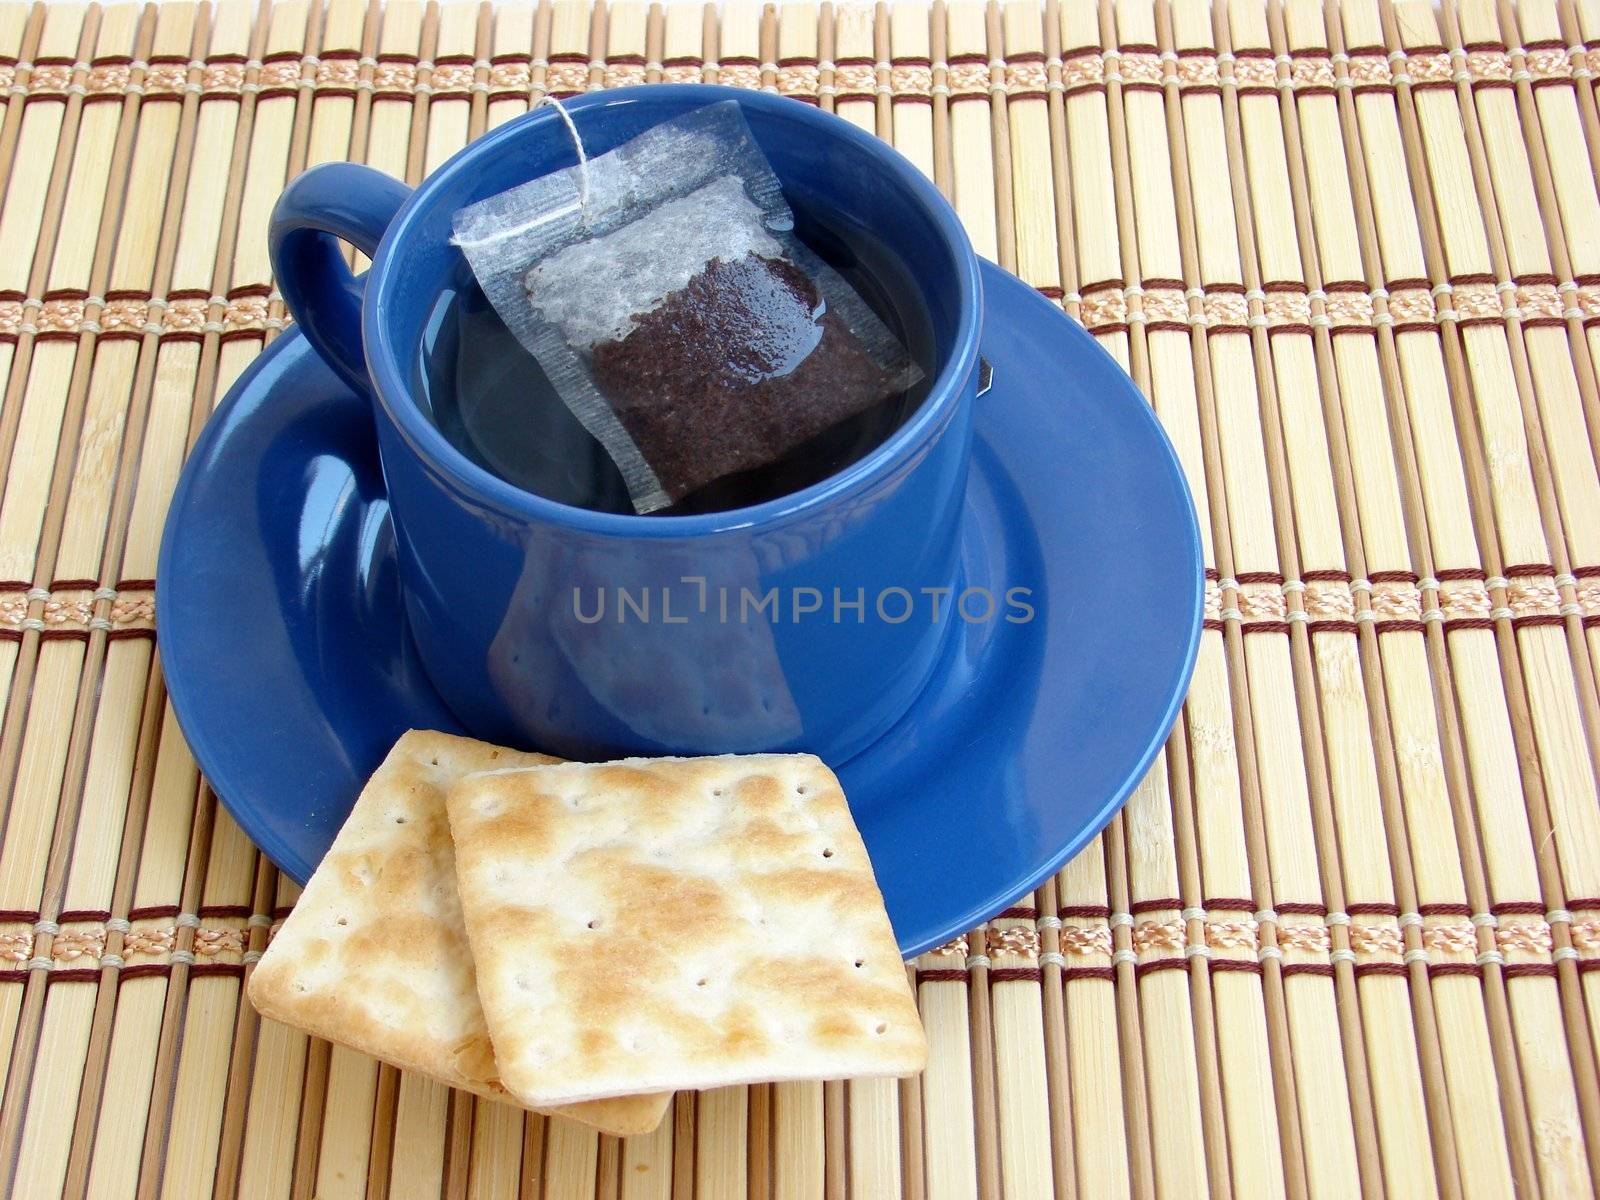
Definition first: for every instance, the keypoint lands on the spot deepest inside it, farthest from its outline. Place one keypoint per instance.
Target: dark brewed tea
(490, 397)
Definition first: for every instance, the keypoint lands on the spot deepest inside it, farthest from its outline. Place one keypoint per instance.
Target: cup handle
(319, 208)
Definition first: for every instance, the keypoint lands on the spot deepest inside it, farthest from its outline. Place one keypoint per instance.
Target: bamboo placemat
(1342, 940)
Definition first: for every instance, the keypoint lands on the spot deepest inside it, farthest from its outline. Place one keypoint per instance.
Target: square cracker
(374, 955)
(677, 923)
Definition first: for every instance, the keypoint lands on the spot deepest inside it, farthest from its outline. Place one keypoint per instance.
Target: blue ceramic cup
(810, 622)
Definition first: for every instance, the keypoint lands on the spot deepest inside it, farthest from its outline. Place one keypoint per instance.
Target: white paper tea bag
(665, 294)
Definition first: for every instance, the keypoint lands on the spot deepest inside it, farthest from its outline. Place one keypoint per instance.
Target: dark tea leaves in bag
(734, 370)
(675, 311)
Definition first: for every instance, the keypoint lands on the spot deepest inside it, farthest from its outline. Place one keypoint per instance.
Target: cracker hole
(718, 791)
(881, 1028)
(801, 790)
(701, 982)
(434, 760)
(594, 923)
(827, 852)
(399, 820)
(343, 921)
(860, 962)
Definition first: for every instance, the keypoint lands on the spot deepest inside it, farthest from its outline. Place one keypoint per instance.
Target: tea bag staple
(663, 290)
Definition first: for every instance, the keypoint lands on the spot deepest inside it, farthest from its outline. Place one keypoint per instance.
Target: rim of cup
(384, 355)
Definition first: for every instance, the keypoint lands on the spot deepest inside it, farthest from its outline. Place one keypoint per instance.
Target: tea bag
(663, 290)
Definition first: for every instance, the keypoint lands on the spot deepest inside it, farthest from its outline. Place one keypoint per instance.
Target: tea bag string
(474, 233)
(577, 141)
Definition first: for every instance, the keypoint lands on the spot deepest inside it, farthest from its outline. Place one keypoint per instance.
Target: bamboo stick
(796, 46)
(342, 1161)
(63, 1046)
(333, 115)
(688, 44)
(1033, 207)
(607, 1167)
(874, 1139)
(169, 834)
(721, 1125)
(230, 1148)
(758, 1166)
(911, 46)
(647, 1164)
(971, 146)
(417, 1166)
(1177, 1137)
(24, 27)
(855, 51)
(947, 1082)
(720, 1136)
(1052, 958)
(797, 1141)
(741, 34)
(450, 112)
(1096, 1082)
(153, 1151)
(511, 53)
(497, 1148)
(570, 1160)
(1053, 965)
(389, 133)
(683, 1139)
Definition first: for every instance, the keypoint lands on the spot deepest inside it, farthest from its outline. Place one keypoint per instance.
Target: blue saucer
(291, 670)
